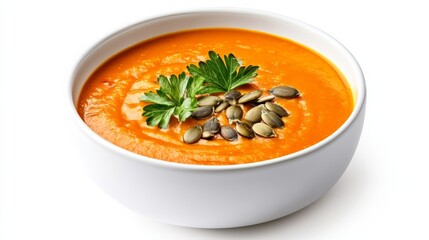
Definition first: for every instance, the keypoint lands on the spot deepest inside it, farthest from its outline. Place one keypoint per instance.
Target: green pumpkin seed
(193, 134)
(207, 135)
(202, 112)
(244, 130)
(221, 107)
(250, 96)
(233, 102)
(263, 130)
(247, 122)
(228, 133)
(208, 101)
(277, 109)
(212, 126)
(234, 113)
(284, 92)
(232, 96)
(265, 99)
(272, 119)
(254, 114)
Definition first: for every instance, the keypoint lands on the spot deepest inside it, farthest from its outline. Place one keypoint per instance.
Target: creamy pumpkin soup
(216, 97)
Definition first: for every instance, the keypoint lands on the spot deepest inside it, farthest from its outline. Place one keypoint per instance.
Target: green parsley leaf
(158, 114)
(171, 99)
(195, 85)
(222, 75)
(159, 98)
(174, 88)
(186, 108)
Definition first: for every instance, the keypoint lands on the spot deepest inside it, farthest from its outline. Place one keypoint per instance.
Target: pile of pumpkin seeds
(261, 119)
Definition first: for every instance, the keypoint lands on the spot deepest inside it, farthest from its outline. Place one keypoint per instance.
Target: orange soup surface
(109, 102)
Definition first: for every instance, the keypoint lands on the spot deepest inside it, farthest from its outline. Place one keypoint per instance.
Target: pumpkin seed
(207, 135)
(272, 119)
(233, 102)
(254, 114)
(221, 107)
(202, 112)
(244, 130)
(208, 101)
(211, 126)
(247, 122)
(284, 92)
(250, 96)
(193, 134)
(265, 99)
(232, 96)
(263, 130)
(277, 109)
(234, 113)
(228, 133)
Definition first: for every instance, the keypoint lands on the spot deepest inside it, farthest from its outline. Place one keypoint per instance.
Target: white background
(46, 194)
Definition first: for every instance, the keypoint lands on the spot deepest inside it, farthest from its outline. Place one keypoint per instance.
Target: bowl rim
(359, 104)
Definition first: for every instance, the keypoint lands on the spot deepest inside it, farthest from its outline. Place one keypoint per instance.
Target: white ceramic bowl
(220, 196)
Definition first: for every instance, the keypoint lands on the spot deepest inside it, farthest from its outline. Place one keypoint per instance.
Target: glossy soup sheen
(109, 102)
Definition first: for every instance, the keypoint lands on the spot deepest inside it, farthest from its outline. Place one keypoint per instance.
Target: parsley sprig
(177, 94)
(222, 75)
